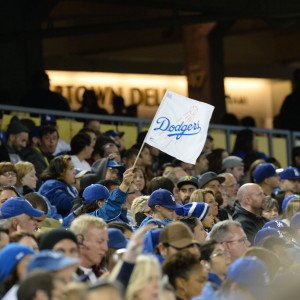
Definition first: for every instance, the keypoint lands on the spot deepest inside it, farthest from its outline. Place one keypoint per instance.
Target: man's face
(94, 124)
(19, 141)
(231, 186)
(290, 184)
(165, 212)
(27, 223)
(48, 142)
(189, 168)
(273, 181)
(257, 198)
(94, 246)
(236, 243)
(185, 192)
(6, 194)
(214, 185)
(113, 150)
(67, 247)
(238, 172)
(111, 173)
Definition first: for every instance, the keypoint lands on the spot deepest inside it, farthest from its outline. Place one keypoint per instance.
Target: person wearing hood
(106, 168)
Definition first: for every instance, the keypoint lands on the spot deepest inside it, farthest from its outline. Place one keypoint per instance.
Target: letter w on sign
(180, 126)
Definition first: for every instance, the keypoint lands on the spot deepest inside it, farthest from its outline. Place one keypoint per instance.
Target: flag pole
(138, 154)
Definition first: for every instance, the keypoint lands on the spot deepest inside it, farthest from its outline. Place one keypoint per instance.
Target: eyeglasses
(179, 249)
(243, 240)
(134, 192)
(223, 253)
(7, 174)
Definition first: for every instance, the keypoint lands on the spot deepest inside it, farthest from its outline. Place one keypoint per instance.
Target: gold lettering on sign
(136, 96)
(195, 79)
(236, 100)
(151, 97)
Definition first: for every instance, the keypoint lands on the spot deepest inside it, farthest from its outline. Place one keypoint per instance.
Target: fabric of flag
(180, 126)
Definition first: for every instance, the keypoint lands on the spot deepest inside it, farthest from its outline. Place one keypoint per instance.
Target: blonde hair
(138, 205)
(82, 224)
(140, 275)
(23, 167)
(199, 195)
(292, 207)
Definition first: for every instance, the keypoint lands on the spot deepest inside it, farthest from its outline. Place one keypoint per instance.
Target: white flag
(180, 126)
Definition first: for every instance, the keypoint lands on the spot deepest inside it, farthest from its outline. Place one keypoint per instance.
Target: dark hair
(164, 166)
(295, 152)
(280, 197)
(36, 280)
(79, 142)
(105, 146)
(120, 225)
(160, 183)
(37, 201)
(215, 160)
(86, 130)
(244, 141)
(57, 167)
(179, 265)
(86, 208)
(16, 236)
(248, 121)
(270, 203)
(100, 142)
(207, 248)
(46, 130)
(108, 183)
(9, 188)
(191, 222)
(6, 166)
(130, 153)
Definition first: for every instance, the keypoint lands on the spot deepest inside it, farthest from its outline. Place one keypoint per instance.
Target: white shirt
(81, 165)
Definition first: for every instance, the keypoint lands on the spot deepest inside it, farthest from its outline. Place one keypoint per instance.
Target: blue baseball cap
(116, 239)
(113, 133)
(286, 201)
(10, 255)
(264, 171)
(264, 232)
(50, 261)
(163, 198)
(48, 119)
(290, 173)
(252, 273)
(295, 221)
(94, 192)
(111, 163)
(276, 224)
(193, 209)
(17, 206)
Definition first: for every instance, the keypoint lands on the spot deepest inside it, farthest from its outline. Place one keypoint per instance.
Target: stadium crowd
(94, 220)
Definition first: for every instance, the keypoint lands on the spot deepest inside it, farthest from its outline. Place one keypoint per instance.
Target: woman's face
(195, 282)
(208, 220)
(271, 214)
(210, 199)
(69, 176)
(30, 242)
(199, 232)
(138, 179)
(167, 171)
(219, 261)
(151, 290)
(29, 179)
(8, 178)
(146, 157)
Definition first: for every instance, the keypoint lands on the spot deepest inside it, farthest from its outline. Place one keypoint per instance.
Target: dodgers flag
(180, 126)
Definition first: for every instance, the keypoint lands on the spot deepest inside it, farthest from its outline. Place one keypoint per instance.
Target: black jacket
(251, 223)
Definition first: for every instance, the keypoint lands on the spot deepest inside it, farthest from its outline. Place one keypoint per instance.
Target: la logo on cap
(172, 197)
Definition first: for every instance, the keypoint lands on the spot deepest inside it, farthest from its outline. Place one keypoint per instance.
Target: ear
(40, 295)
(162, 250)
(205, 264)
(14, 223)
(80, 239)
(100, 203)
(180, 283)
(226, 246)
